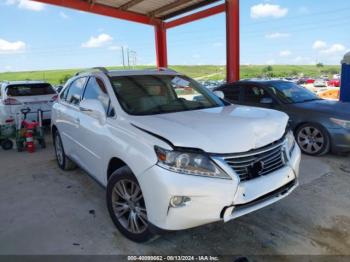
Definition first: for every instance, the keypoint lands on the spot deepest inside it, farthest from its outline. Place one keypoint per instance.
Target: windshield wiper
(307, 100)
(312, 99)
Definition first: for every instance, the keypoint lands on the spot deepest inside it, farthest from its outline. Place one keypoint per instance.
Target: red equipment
(30, 127)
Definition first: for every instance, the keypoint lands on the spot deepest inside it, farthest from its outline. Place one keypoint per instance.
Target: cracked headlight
(340, 122)
(290, 141)
(189, 163)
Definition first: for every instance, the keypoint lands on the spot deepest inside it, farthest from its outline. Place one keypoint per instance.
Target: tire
(42, 143)
(7, 144)
(20, 147)
(313, 139)
(62, 160)
(126, 206)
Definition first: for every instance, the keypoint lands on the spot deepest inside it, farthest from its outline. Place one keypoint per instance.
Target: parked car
(170, 161)
(58, 88)
(320, 83)
(309, 81)
(334, 83)
(319, 125)
(17, 95)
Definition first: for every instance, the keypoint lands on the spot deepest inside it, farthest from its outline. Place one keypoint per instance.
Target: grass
(203, 72)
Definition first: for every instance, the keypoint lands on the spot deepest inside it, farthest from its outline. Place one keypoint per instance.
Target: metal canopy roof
(158, 9)
(157, 12)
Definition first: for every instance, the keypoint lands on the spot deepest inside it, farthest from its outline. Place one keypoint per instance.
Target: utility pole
(123, 57)
(127, 53)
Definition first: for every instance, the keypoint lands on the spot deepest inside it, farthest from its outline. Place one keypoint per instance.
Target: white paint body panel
(222, 130)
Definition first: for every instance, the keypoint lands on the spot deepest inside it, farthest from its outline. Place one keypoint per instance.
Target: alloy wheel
(311, 139)
(59, 149)
(129, 206)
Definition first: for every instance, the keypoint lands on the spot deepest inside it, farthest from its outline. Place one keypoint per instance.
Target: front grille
(259, 162)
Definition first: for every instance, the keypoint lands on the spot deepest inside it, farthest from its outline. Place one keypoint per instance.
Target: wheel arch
(53, 130)
(297, 126)
(114, 164)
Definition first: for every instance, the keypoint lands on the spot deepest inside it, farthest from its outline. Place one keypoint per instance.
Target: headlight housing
(189, 163)
(341, 122)
(290, 142)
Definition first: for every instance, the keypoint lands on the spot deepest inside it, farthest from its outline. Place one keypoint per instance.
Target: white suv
(17, 95)
(171, 154)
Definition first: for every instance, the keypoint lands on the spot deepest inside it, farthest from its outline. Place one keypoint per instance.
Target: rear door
(232, 93)
(35, 96)
(67, 118)
(254, 95)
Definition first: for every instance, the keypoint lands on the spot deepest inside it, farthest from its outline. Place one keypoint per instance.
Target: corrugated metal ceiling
(161, 9)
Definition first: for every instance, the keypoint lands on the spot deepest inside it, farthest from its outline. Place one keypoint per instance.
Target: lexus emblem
(255, 169)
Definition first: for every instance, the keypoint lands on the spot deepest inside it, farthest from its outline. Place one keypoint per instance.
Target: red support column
(161, 45)
(232, 40)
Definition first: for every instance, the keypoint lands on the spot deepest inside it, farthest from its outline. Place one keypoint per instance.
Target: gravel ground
(44, 210)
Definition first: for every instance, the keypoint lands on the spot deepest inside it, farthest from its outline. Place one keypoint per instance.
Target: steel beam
(130, 4)
(196, 16)
(189, 9)
(232, 41)
(103, 10)
(167, 7)
(161, 45)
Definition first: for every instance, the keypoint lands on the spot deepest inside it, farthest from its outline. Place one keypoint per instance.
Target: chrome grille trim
(270, 159)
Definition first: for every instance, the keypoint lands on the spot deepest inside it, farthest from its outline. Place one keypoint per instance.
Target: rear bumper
(340, 138)
(212, 199)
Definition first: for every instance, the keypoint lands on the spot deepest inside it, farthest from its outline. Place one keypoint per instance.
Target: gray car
(319, 125)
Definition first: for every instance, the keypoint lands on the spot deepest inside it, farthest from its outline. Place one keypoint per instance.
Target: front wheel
(126, 205)
(313, 139)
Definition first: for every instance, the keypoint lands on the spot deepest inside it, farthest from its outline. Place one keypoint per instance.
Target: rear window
(30, 90)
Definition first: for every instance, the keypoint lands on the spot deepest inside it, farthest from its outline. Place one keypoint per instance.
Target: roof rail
(101, 69)
(162, 69)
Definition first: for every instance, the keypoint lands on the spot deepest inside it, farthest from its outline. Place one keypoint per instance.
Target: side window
(75, 91)
(96, 89)
(232, 93)
(254, 94)
(64, 93)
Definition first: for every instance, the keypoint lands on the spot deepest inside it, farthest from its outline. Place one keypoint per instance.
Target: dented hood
(222, 130)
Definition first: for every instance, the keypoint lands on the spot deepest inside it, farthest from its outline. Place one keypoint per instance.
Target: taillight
(54, 98)
(10, 120)
(11, 101)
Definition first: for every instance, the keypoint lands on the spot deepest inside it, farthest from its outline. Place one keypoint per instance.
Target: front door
(93, 135)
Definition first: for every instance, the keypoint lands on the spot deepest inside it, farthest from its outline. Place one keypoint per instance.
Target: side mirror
(94, 108)
(266, 101)
(219, 94)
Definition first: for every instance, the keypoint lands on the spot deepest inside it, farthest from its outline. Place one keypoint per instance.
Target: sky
(34, 36)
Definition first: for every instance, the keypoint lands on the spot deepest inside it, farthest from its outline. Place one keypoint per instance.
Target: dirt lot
(44, 210)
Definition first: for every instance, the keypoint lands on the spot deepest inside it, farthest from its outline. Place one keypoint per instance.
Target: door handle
(77, 120)
(83, 109)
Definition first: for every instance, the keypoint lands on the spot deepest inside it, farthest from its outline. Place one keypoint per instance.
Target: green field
(205, 72)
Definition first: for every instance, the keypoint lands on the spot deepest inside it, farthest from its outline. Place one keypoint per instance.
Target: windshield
(291, 93)
(157, 94)
(30, 90)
